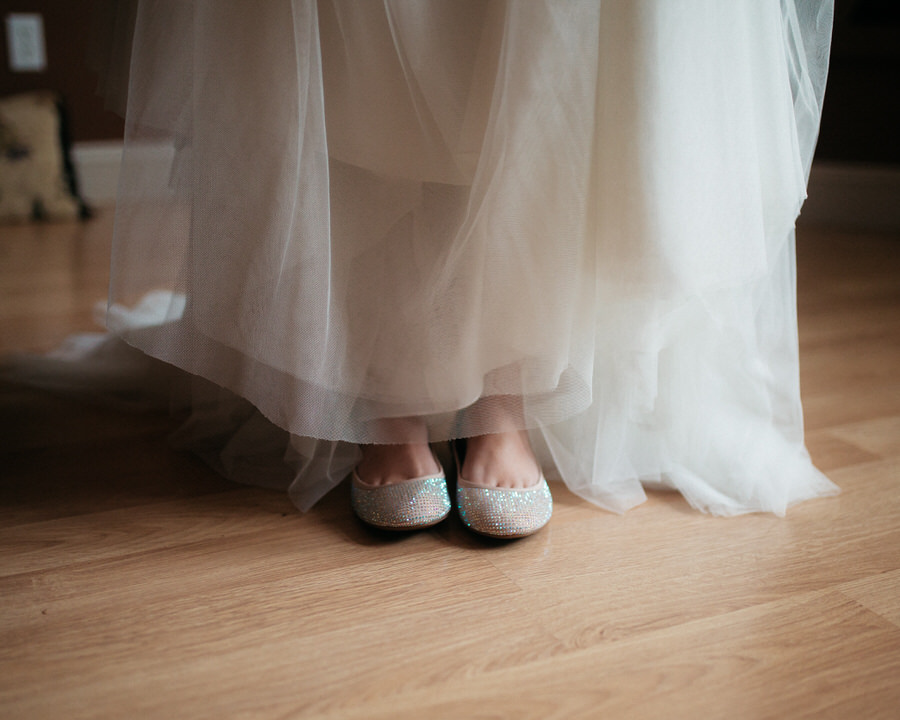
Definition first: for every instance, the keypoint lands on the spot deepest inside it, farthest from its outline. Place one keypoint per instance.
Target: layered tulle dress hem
(574, 218)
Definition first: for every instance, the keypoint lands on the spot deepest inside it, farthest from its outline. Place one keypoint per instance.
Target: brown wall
(861, 120)
(68, 27)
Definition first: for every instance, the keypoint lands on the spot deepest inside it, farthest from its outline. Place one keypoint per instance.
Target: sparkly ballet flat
(503, 512)
(408, 505)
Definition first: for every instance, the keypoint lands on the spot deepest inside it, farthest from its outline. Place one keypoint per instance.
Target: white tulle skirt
(571, 217)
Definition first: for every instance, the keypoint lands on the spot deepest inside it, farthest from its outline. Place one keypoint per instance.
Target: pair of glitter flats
(421, 502)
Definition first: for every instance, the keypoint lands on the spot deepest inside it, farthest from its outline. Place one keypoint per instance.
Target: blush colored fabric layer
(571, 217)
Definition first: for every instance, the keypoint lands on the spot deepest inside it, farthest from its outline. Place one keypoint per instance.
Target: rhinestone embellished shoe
(501, 512)
(408, 505)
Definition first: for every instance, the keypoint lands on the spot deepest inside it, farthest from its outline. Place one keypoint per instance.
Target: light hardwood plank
(734, 666)
(880, 593)
(829, 452)
(880, 436)
(134, 582)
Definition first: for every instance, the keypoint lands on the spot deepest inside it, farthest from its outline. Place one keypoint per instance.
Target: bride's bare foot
(493, 464)
(389, 464)
(402, 486)
(501, 460)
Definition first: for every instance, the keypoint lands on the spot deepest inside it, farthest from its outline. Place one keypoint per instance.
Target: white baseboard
(97, 166)
(853, 197)
(842, 195)
(97, 169)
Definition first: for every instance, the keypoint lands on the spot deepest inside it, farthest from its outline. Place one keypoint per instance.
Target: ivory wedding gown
(572, 217)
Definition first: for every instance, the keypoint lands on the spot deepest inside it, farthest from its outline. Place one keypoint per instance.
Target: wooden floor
(134, 583)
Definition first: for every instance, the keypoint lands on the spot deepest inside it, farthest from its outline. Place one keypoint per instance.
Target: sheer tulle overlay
(571, 217)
